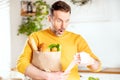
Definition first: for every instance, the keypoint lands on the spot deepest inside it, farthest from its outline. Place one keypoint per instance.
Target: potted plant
(34, 23)
(80, 2)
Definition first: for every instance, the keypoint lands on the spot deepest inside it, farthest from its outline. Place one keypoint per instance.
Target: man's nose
(63, 25)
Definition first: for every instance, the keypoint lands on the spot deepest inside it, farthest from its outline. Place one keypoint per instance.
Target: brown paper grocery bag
(47, 61)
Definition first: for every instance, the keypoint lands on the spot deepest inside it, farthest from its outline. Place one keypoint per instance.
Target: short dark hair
(60, 5)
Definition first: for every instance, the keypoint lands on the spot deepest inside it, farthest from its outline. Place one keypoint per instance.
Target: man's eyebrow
(62, 20)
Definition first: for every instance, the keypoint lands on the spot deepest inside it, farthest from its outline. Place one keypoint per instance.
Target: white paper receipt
(86, 59)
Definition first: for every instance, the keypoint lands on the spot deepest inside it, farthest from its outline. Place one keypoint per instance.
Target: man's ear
(49, 18)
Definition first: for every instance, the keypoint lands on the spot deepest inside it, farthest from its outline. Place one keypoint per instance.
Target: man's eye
(58, 20)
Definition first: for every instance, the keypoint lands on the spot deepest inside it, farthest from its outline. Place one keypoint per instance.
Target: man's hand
(57, 76)
(84, 59)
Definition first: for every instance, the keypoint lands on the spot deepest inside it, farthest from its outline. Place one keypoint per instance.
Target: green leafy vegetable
(92, 78)
(54, 45)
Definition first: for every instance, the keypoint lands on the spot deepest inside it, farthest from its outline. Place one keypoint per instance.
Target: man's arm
(35, 73)
(84, 47)
(38, 74)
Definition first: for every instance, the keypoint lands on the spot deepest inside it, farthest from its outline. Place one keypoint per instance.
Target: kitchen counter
(101, 76)
(105, 70)
(105, 74)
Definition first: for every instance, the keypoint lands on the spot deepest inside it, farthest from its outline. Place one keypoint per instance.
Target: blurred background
(98, 21)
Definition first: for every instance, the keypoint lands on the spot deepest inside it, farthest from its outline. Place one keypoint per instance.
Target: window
(4, 38)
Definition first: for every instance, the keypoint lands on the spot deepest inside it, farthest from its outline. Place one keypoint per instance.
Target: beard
(57, 32)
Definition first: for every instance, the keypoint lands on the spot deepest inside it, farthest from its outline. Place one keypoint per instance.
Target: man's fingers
(66, 73)
(64, 76)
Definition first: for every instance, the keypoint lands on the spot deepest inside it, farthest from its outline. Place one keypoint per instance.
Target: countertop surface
(105, 74)
(101, 76)
(105, 70)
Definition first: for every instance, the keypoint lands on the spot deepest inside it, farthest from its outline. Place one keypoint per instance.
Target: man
(71, 44)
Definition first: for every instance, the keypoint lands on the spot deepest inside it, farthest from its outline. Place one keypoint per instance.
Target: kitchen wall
(99, 25)
(17, 42)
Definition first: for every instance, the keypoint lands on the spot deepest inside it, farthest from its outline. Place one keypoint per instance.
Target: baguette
(33, 44)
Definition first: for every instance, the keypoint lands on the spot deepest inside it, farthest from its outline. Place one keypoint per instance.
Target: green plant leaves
(34, 23)
(30, 26)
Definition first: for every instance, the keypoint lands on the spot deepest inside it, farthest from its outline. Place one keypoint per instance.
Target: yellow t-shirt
(71, 44)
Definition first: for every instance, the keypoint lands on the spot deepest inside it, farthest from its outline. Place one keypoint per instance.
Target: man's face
(59, 21)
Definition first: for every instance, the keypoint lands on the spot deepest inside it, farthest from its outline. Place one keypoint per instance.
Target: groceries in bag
(46, 57)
